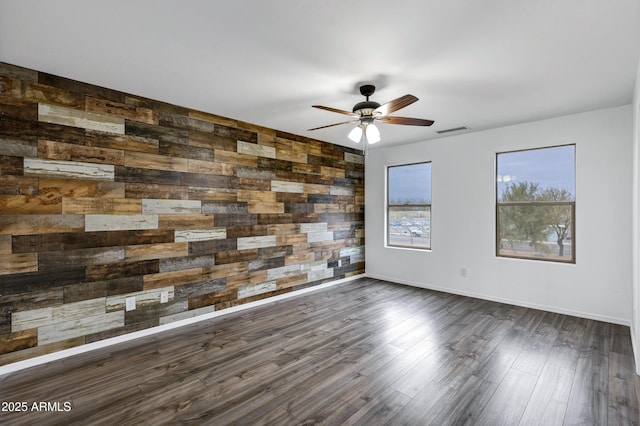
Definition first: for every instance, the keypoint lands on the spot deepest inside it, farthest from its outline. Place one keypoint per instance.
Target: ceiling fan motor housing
(365, 107)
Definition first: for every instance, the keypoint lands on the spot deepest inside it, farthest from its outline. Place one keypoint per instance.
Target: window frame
(388, 207)
(572, 204)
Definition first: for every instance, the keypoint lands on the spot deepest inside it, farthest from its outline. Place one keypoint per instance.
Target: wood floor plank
(509, 401)
(467, 403)
(367, 352)
(548, 402)
(623, 391)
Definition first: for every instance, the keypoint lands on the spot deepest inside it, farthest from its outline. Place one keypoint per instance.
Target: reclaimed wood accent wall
(106, 196)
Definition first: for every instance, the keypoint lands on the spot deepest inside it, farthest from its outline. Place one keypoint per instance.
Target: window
(409, 206)
(535, 204)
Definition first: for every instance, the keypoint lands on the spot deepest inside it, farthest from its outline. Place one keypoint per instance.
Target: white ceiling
(480, 64)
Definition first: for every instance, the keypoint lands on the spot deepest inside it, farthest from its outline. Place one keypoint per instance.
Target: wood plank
(234, 158)
(18, 263)
(185, 221)
(187, 262)
(17, 108)
(51, 260)
(212, 194)
(282, 186)
(147, 176)
(79, 87)
(211, 167)
(236, 256)
(147, 190)
(30, 204)
(10, 86)
(200, 234)
(154, 161)
(123, 142)
(105, 206)
(259, 207)
(137, 237)
(41, 224)
(206, 181)
(13, 149)
(246, 195)
(156, 251)
(11, 342)
(163, 206)
(212, 118)
(69, 329)
(225, 270)
(548, 402)
(510, 399)
(120, 109)
(68, 169)
(52, 150)
(37, 92)
(182, 121)
(125, 269)
(86, 120)
(162, 134)
(81, 188)
(23, 130)
(119, 222)
(256, 149)
(624, 385)
(173, 278)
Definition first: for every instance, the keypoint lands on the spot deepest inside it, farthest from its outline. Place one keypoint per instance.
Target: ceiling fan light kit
(367, 112)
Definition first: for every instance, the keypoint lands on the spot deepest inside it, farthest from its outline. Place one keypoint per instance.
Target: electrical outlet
(463, 272)
(164, 297)
(130, 304)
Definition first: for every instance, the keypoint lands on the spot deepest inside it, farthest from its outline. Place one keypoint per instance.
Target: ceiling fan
(367, 112)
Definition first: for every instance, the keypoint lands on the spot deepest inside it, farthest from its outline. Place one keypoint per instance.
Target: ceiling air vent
(455, 129)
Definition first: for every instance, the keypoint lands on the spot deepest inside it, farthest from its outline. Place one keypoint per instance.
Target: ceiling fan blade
(339, 111)
(395, 104)
(331, 125)
(407, 121)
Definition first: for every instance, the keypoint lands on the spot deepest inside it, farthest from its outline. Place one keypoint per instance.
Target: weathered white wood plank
(341, 190)
(255, 149)
(353, 158)
(245, 243)
(255, 289)
(282, 186)
(320, 274)
(86, 120)
(200, 234)
(351, 251)
(68, 169)
(283, 271)
(35, 318)
(113, 222)
(79, 327)
(315, 237)
(313, 227)
(158, 206)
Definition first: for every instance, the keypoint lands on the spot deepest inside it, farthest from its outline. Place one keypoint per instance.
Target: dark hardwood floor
(366, 352)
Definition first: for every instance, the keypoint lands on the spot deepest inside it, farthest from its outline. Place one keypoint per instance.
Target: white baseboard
(636, 349)
(524, 304)
(43, 359)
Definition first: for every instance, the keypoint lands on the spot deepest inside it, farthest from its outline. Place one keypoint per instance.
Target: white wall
(463, 220)
(635, 196)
